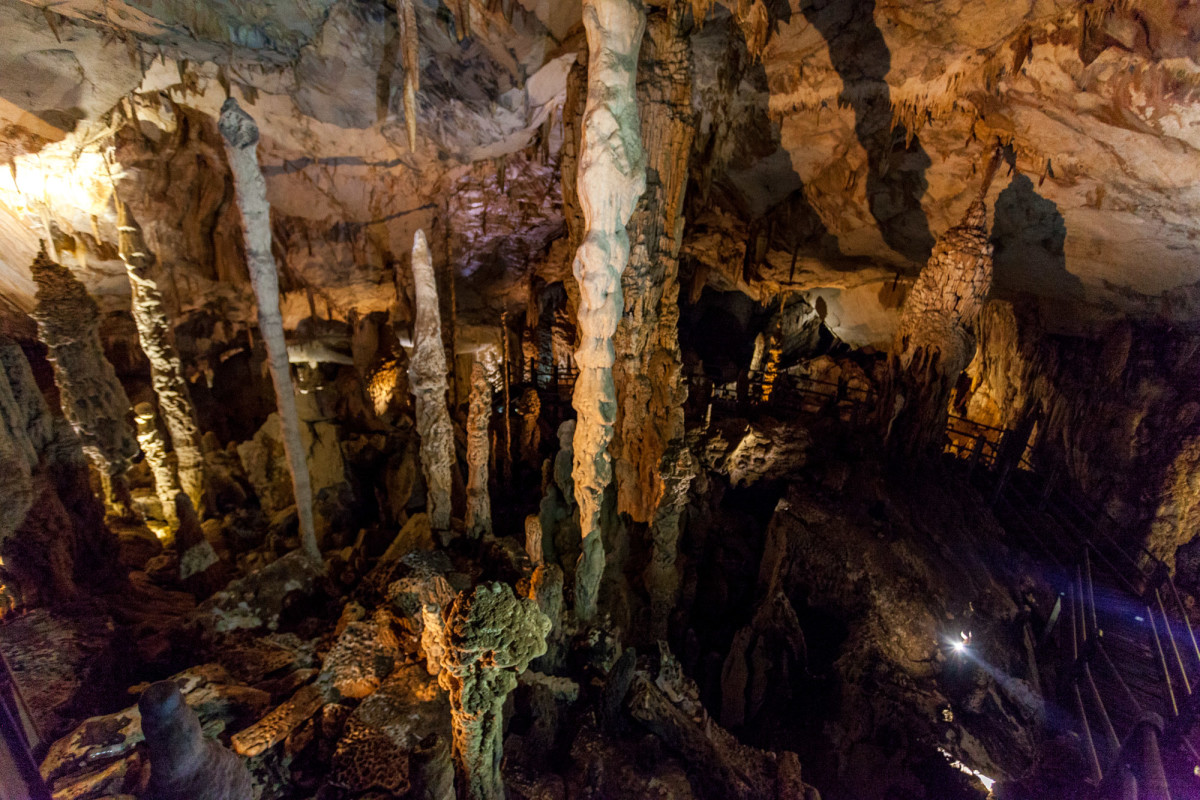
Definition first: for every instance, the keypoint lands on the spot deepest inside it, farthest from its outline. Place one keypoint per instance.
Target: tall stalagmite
(162, 465)
(427, 376)
(611, 178)
(491, 636)
(166, 370)
(652, 465)
(934, 341)
(479, 417)
(93, 400)
(241, 140)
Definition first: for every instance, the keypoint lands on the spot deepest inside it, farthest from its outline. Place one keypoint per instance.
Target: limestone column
(166, 370)
(611, 178)
(427, 377)
(934, 341)
(490, 638)
(241, 139)
(162, 466)
(479, 417)
(93, 400)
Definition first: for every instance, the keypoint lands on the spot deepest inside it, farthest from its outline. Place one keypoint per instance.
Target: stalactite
(612, 176)
(934, 341)
(506, 462)
(410, 57)
(491, 636)
(162, 466)
(479, 504)
(93, 400)
(427, 377)
(166, 370)
(241, 140)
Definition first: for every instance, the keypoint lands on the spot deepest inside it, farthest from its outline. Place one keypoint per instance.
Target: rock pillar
(241, 139)
(479, 417)
(611, 178)
(427, 377)
(162, 466)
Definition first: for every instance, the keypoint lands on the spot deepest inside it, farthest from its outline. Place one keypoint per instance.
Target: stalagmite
(529, 408)
(241, 139)
(427, 377)
(611, 179)
(166, 370)
(491, 637)
(479, 504)
(934, 341)
(162, 466)
(93, 400)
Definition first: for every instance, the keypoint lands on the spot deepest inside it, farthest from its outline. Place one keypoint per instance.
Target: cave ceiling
(837, 154)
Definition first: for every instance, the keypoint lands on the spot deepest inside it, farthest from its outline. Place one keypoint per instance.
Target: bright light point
(960, 646)
(961, 767)
(1139, 619)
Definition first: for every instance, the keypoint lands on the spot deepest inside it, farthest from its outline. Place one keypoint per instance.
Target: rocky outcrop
(182, 762)
(491, 637)
(162, 465)
(241, 139)
(166, 370)
(611, 179)
(479, 418)
(935, 341)
(427, 376)
(93, 400)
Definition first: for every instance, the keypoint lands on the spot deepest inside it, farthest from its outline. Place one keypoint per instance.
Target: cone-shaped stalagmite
(166, 371)
(92, 398)
(934, 342)
(427, 377)
(610, 181)
(491, 636)
(479, 417)
(241, 140)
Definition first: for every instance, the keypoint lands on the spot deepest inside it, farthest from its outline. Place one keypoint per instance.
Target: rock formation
(182, 762)
(162, 465)
(166, 371)
(241, 139)
(427, 376)
(610, 181)
(934, 342)
(529, 409)
(491, 637)
(479, 418)
(92, 397)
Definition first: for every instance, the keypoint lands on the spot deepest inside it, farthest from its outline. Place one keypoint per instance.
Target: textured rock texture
(166, 371)
(935, 341)
(427, 377)
(241, 139)
(182, 762)
(491, 637)
(92, 397)
(162, 465)
(611, 179)
(479, 418)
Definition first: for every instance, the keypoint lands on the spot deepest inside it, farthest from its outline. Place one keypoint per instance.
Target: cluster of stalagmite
(490, 638)
(479, 416)
(611, 178)
(427, 377)
(162, 465)
(166, 370)
(651, 464)
(93, 400)
(934, 341)
(241, 139)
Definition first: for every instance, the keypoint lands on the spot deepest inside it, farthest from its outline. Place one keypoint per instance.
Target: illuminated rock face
(491, 637)
(479, 504)
(93, 400)
(162, 466)
(934, 342)
(427, 377)
(166, 371)
(611, 178)
(241, 138)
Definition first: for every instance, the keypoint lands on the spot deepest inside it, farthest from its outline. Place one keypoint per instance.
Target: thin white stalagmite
(166, 370)
(479, 504)
(427, 377)
(611, 178)
(241, 140)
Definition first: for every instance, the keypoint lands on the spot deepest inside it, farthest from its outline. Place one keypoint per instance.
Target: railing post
(1152, 783)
